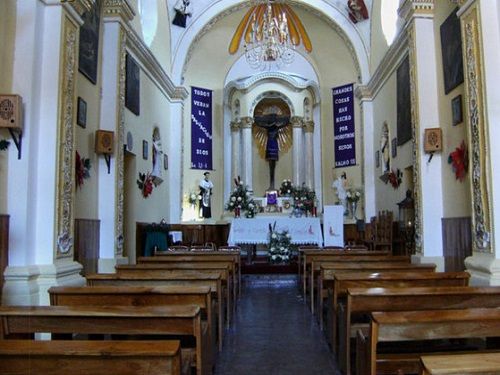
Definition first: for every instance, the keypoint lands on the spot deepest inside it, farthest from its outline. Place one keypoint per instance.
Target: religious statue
(357, 10)
(183, 10)
(206, 187)
(157, 158)
(340, 184)
(272, 136)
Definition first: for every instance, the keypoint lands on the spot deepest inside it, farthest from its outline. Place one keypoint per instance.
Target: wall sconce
(11, 118)
(104, 145)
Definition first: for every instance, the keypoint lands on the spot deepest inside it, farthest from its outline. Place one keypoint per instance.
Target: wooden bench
(408, 326)
(329, 269)
(343, 281)
(60, 357)
(362, 301)
(337, 256)
(153, 270)
(193, 256)
(141, 296)
(118, 320)
(461, 364)
(227, 267)
(200, 279)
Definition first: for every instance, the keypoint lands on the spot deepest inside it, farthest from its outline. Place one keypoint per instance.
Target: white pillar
(425, 114)
(40, 185)
(297, 150)
(110, 189)
(309, 162)
(480, 23)
(246, 151)
(175, 163)
(235, 149)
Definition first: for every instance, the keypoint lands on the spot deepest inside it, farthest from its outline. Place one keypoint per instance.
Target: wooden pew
(379, 263)
(329, 269)
(119, 320)
(399, 326)
(204, 256)
(60, 357)
(363, 301)
(461, 364)
(141, 296)
(153, 270)
(227, 267)
(343, 281)
(200, 279)
(335, 255)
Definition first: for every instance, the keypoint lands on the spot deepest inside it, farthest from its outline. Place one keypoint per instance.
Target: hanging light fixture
(271, 31)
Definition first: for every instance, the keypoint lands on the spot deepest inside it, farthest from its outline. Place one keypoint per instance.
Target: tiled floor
(273, 332)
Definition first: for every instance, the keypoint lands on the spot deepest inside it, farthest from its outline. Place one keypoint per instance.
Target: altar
(303, 230)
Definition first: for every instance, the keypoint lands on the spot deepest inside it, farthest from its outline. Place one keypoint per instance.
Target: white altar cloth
(304, 230)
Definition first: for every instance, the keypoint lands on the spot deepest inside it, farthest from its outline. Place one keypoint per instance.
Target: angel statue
(272, 135)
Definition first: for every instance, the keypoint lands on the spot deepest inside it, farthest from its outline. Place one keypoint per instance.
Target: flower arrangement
(145, 184)
(459, 160)
(241, 199)
(353, 195)
(82, 169)
(286, 188)
(280, 246)
(395, 178)
(193, 198)
(303, 198)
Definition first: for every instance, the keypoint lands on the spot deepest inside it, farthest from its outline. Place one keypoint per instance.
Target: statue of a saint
(340, 184)
(183, 10)
(272, 137)
(206, 187)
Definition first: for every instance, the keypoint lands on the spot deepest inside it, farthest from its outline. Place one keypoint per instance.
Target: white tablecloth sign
(333, 225)
(305, 230)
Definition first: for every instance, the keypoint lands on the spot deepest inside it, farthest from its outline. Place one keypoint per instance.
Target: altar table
(303, 230)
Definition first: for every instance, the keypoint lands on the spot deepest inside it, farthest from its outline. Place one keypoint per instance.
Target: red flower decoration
(145, 184)
(459, 160)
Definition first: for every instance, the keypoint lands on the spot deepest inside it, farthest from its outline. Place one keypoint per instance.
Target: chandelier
(271, 31)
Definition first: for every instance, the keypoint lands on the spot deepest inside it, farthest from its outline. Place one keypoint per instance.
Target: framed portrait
(394, 147)
(89, 43)
(271, 197)
(403, 102)
(145, 150)
(456, 110)
(165, 161)
(377, 159)
(81, 113)
(451, 49)
(286, 204)
(132, 85)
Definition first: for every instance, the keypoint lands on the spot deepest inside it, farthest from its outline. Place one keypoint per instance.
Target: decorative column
(419, 17)
(481, 56)
(246, 151)
(365, 97)
(116, 14)
(235, 148)
(41, 183)
(297, 150)
(309, 162)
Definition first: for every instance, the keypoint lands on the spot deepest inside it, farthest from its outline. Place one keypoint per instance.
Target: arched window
(389, 18)
(149, 19)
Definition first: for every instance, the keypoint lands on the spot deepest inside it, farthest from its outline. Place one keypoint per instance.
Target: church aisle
(274, 332)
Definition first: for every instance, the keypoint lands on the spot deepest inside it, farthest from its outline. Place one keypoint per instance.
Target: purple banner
(343, 126)
(201, 128)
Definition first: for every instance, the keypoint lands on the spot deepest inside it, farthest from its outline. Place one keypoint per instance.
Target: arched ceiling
(355, 37)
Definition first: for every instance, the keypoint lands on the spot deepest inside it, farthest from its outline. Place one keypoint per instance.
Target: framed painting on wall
(451, 49)
(456, 110)
(377, 159)
(145, 150)
(89, 43)
(394, 147)
(403, 102)
(132, 86)
(81, 113)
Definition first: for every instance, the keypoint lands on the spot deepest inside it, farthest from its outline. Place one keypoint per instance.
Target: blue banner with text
(343, 126)
(201, 128)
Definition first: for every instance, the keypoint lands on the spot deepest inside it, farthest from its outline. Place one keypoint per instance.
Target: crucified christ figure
(272, 124)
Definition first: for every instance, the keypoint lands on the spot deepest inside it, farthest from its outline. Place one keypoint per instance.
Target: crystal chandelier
(271, 31)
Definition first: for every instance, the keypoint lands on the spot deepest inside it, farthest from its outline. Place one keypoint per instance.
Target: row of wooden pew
(379, 308)
(184, 298)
